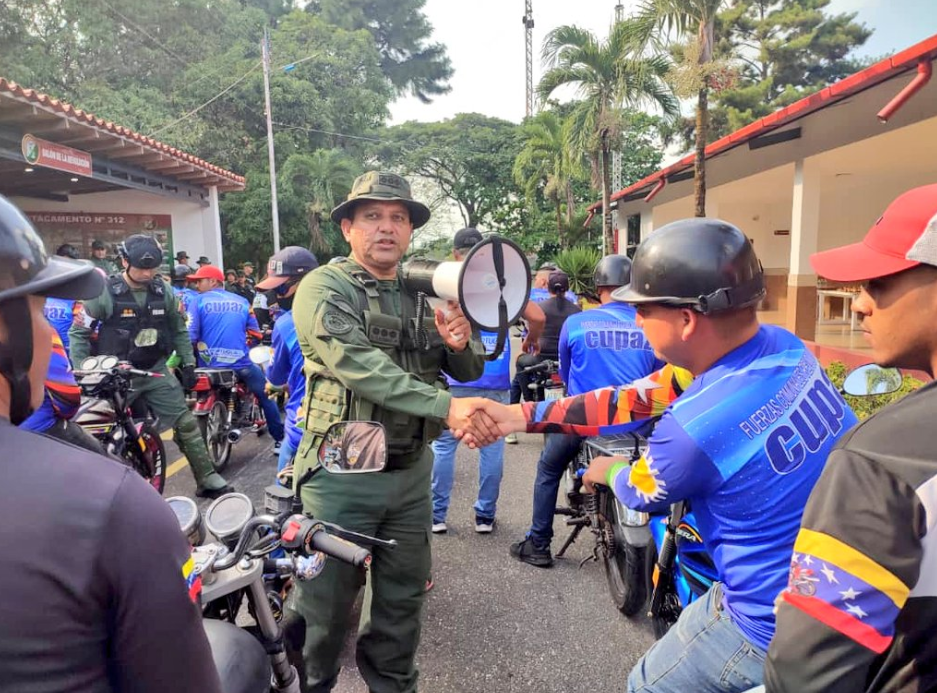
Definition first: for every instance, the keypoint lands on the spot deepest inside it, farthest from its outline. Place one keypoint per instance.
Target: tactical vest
(119, 331)
(415, 346)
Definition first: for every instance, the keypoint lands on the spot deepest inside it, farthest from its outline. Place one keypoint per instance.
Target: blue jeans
(558, 450)
(254, 378)
(704, 651)
(490, 465)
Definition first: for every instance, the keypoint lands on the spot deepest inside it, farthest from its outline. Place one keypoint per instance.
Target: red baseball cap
(905, 236)
(207, 272)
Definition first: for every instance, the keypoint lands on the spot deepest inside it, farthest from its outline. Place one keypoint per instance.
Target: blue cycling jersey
(745, 444)
(218, 325)
(602, 347)
(60, 313)
(497, 374)
(286, 368)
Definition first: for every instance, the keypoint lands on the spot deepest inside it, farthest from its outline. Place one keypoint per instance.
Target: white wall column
(211, 228)
(647, 223)
(805, 228)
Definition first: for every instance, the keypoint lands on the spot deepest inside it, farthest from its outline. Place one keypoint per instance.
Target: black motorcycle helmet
(612, 270)
(68, 250)
(704, 264)
(26, 269)
(142, 251)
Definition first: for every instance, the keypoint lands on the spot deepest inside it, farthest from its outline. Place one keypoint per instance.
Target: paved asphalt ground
(491, 624)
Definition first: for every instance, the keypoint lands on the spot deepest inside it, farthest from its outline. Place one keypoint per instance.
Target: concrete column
(805, 226)
(211, 228)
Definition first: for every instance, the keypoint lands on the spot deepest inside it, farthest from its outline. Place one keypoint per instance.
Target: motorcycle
(106, 384)
(621, 535)
(545, 383)
(223, 407)
(679, 570)
(252, 552)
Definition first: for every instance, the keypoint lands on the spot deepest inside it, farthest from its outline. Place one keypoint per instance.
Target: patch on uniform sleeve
(336, 322)
(193, 581)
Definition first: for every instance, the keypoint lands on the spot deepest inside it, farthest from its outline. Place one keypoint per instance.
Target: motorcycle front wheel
(151, 463)
(214, 429)
(624, 564)
(670, 604)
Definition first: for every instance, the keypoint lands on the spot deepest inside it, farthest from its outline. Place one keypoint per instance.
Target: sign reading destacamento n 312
(39, 152)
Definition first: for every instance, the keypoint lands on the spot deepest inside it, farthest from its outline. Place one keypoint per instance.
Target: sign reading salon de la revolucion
(39, 152)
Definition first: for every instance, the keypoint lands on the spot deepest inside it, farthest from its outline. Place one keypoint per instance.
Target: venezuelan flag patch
(193, 581)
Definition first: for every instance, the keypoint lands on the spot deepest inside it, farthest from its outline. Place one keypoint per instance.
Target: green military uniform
(104, 265)
(364, 361)
(164, 395)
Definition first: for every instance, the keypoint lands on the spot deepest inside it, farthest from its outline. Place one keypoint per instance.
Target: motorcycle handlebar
(542, 366)
(345, 551)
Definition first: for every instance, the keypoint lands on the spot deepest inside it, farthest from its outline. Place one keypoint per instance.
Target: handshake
(478, 422)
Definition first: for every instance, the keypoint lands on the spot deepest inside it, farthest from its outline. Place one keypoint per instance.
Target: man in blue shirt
(744, 444)
(494, 384)
(284, 272)
(219, 326)
(597, 348)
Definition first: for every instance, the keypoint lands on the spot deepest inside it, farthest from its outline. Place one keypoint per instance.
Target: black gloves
(188, 377)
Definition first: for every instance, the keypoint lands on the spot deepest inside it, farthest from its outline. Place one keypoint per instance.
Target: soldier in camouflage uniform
(366, 358)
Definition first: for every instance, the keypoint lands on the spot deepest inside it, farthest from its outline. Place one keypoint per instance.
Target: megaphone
(492, 285)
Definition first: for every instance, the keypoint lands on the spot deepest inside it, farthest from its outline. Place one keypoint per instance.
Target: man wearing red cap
(220, 324)
(861, 605)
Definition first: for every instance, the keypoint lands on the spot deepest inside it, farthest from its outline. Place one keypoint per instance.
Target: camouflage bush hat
(382, 187)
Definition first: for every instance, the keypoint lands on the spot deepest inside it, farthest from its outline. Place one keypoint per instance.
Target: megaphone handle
(422, 338)
(502, 330)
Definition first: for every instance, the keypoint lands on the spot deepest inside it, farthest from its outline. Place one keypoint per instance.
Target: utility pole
(616, 155)
(265, 51)
(528, 21)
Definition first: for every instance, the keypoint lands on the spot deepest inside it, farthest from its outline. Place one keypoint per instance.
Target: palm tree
(320, 178)
(608, 76)
(546, 161)
(657, 21)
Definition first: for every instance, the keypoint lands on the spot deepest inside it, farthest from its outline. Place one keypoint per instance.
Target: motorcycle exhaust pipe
(234, 435)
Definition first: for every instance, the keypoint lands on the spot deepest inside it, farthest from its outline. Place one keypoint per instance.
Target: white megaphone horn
(492, 285)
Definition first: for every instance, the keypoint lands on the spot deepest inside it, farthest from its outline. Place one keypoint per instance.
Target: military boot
(208, 482)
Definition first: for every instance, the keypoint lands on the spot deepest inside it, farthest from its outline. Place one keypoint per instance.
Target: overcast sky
(485, 41)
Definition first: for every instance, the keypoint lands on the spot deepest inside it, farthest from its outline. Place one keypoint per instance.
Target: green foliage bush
(579, 263)
(864, 407)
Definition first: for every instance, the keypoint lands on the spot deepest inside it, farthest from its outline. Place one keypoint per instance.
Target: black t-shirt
(93, 596)
(556, 309)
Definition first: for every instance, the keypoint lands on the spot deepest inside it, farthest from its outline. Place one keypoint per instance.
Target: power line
(212, 99)
(327, 132)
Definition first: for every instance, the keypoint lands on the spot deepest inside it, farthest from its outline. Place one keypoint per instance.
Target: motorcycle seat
(218, 377)
(242, 662)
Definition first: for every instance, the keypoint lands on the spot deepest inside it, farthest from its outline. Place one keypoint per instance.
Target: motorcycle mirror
(354, 447)
(871, 379)
(261, 355)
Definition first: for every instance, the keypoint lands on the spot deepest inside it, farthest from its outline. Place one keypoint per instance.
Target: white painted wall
(195, 229)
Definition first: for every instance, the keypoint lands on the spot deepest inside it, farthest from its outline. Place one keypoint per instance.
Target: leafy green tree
(469, 157)
(546, 164)
(657, 22)
(400, 31)
(319, 181)
(608, 76)
(786, 49)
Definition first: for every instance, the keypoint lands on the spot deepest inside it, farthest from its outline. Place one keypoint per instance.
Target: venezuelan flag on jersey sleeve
(609, 410)
(62, 394)
(286, 368)
(218, 325)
